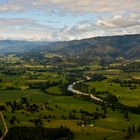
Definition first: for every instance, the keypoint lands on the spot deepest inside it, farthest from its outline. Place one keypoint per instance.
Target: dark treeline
(98, 77)
(132, 130)
(111, 101)
(39, 133)
(15, 71)
(20, 106)
(126, 82)
(44, 85)
(131, 67)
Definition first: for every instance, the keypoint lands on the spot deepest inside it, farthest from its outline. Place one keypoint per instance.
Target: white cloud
(115, 17)
(15, 21)
(74, 6)
(25, 29)
(119, 21)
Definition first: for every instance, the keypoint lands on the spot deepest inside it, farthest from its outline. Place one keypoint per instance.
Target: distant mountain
(101, 48)
(14, 46)
(111, 47)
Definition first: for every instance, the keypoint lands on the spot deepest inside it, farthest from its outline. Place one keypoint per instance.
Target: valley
(69, 69)
(34, 93)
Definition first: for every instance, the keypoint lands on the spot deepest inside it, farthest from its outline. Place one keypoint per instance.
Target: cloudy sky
(53, 20)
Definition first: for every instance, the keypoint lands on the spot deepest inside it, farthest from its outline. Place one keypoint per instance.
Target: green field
(54, 106)
(110, 127)
(124, 94)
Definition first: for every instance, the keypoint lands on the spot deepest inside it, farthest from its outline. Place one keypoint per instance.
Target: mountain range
(16, 46)
(126, 46)
(110, 47)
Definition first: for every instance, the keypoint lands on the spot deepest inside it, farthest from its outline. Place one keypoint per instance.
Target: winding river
(71, 88)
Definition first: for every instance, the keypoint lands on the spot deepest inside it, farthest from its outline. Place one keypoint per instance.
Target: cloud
(104, 17)
(116, 25)
(15, 21)
(25, 29)
(84, 29)
(119, 21)
(84, 26)
(71, 6)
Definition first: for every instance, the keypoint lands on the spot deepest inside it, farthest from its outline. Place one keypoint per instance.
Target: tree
(24, 100)
(93, 91)
(1, 133)
(129, 131)
(138, 129)
(72, 115)
(38, 122)
(13, 120)
(126, 115)
(105, 111)
(133, 128)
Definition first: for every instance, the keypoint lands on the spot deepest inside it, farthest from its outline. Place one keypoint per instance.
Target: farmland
(33, 94)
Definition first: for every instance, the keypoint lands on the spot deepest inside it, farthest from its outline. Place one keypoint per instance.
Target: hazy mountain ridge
(15, 46)
(127, 46)
(110, 47)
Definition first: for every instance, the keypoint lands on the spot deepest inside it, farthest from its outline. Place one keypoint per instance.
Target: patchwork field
(36, 95)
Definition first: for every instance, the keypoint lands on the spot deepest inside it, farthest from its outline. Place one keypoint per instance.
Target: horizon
(61, 20)
(67, 40)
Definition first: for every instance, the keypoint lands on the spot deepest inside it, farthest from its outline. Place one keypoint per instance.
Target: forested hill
(111, 47)
(127, 46)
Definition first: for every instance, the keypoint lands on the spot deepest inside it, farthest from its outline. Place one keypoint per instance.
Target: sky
(57, 20)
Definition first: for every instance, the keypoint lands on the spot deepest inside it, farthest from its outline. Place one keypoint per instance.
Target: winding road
(4, 123)
(71, 88)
